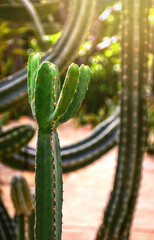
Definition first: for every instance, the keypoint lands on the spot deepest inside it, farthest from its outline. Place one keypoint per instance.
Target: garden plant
(52, 105)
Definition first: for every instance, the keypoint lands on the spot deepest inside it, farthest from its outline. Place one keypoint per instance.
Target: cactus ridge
(50, 104)
(13, 140)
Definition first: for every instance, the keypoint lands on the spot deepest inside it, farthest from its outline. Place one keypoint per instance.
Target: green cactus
(7, 226)
(77, 155)
(133, 129)
(17, 12)
(23, 202)
(13, 88)
(13, 140)
(21, 195)
(50, 105)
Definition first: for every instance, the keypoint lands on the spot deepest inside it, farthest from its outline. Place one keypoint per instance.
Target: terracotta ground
(86, 191)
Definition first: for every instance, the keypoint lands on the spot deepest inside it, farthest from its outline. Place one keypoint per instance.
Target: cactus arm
(44, 193)
(12, 140)
(67, 92)
(84, 77)
(59, 185)
(33, 64)
(76, 155)
(35, 17)
(45, 95)
(74, 9)
(16, 12)
(83, 21)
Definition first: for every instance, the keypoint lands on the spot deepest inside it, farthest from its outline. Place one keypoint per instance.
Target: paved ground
(86, 192)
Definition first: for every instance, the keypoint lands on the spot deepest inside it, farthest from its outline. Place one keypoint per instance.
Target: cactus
(50, 107)
(16, 11)
(7, 226)
(23, 202)
(21, 196)
(14, 88)
(77, 155)
(12, 140)
(133, 128)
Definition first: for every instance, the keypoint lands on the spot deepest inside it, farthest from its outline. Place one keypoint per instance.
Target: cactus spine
(133, 130)
(49, 105)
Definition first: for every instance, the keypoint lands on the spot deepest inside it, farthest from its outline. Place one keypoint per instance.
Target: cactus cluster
(52, 106)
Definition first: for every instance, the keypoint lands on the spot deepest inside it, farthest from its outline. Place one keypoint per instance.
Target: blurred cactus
(23, 202)
(13, 140)
(133, 128)
(7, 225)
(21, 196)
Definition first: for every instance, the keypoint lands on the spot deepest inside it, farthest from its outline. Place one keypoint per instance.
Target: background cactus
(14, 139)
(77, 155)
(7, 225)
(49, 105)
(23, 203)
(13, 89)
(133, 128)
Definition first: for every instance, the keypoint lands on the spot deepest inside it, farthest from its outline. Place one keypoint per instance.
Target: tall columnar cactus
(50, 106)
(133, 130)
